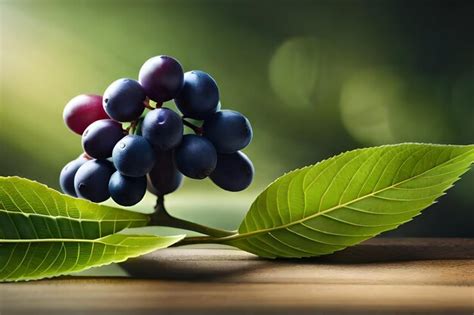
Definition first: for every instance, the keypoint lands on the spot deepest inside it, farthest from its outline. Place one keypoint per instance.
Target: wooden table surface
(379, 276)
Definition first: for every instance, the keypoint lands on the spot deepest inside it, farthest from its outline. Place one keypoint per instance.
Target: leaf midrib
(55, 217)
(60, 241)
(48, 240)
(339, 206)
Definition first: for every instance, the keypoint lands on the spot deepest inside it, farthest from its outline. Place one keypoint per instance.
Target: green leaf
(30, 259)
(44, 233)
(349, 198)
(30, 210)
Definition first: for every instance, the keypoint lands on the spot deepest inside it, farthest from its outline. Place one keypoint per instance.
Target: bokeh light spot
(379, 106)
(365, 101)
(294, 70)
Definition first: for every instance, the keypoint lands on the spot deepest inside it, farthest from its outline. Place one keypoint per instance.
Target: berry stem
(146, 103)
(197, 130)
(131, 129)
(161, 217)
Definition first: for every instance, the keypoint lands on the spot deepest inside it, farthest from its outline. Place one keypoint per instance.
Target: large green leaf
(349, 198)
(30, 259)
(44, 233)
(30, 210)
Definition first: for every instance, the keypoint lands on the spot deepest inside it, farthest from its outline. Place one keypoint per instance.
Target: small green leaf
(30, 210)
(349, 198)
(31, 259)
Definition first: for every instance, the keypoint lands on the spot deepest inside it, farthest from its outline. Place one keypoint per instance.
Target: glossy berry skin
(83, 110)
(163, 128)
(99, 139)
(228, 130)
(234, 172)
(123, 100)
(133, 156)
(164, 178)
(199, 96)
(162, 78)
(127, 191)
(92, 180)
(195, 157)
(66, 178)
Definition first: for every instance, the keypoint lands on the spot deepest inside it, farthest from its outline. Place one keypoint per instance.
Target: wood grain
(381, 275)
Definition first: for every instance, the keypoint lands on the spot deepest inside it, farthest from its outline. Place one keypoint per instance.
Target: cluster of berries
(131, 143)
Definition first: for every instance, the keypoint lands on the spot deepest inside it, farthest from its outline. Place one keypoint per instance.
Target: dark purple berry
(163, 128)
(195, 157)
(199, 96)
(124, 100)
(92, 180)
(161, 77)
(99, 139)
(234, 172)
(228, 130)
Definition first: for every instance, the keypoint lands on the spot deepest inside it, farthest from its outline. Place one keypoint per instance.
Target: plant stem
(161, 217)
(146, 103)
(205, 240)
(131, 129)
(197, 130)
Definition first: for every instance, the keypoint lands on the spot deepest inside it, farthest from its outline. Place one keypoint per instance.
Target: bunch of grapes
(131, 144)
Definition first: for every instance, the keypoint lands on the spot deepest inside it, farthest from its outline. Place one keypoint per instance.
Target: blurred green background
(314, 77)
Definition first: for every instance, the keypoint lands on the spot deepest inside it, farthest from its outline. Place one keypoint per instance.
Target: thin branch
(147, 104)
(161, 217)
(197, 130)
(203, 240)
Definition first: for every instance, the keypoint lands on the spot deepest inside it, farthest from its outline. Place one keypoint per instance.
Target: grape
(161, 77)
(195, 157)
(164, 178)
(163, 128)
(127, 191)
(228, 130)
(99, 139)
(123, 100)
(83, 110)
(66, 178)
(92, 180)
(133, 156)
(199, 96)
(155, 155)
(234, 172)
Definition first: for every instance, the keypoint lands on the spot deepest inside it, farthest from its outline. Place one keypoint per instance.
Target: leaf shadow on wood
(193, 265)
(226, 264)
